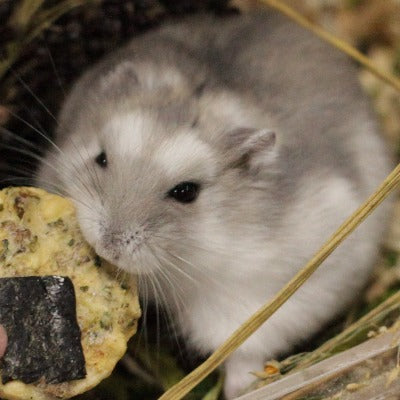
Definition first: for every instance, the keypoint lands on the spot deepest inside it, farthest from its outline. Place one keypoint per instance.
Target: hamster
(213, 157)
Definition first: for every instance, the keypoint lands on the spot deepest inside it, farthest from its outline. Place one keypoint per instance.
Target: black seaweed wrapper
(44, 339)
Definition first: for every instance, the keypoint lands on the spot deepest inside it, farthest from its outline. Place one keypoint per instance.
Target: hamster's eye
(185, 192)
(101, 159)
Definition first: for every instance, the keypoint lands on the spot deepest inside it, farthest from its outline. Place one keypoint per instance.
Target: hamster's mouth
(112, 257)
(121, 250)
(127, 261)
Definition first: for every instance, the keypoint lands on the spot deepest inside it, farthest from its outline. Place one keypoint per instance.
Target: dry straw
(253, 323)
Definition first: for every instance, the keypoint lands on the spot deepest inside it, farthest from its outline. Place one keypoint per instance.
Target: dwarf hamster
(212, 157)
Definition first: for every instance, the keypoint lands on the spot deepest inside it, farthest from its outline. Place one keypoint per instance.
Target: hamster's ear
(251, 149)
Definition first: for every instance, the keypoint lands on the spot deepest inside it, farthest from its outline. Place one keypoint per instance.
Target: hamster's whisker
(164, 273)
(13, 180)
(57, 75)
(69, 164)
(13, 136)
(60, 191)
(121, 275)
(26, 180)
(173, 283)
(40, 133)
(197, 268)
(31, 178)
(118, 275)
(209, 249)
(21, 171)
(183, 260)
(190, 245)
(34, 155)
(28, 153)
(79, 186)
(82, 187)
(176, 296)
(39, 126)
(157, 306)
(94, 177)
(166, 305)
(144, 297)
(181, 271)
(169, 317)
(30, 91)
(34, 128)
(77, 149)
(64, 161)
(204, 275)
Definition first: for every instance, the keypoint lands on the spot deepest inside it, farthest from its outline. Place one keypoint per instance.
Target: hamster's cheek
(89, 225)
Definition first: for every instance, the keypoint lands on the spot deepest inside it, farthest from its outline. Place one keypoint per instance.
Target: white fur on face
(225, 109)
(180, 153)
(176, 155)
(126, 131)
(163, 77)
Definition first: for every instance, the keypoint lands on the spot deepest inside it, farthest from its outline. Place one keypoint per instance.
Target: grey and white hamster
(212, 157)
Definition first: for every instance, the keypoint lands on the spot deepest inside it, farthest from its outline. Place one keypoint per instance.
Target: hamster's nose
(109, 248)
(117, 242)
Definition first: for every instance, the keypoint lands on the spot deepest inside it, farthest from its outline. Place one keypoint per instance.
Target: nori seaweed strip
(44, 339)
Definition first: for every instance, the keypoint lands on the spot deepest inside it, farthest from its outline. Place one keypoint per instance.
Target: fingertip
(3, 340)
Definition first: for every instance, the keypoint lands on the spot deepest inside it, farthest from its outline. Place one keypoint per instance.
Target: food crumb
(272, 368)
(383, 329)
(353, 387)
(371, 334)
